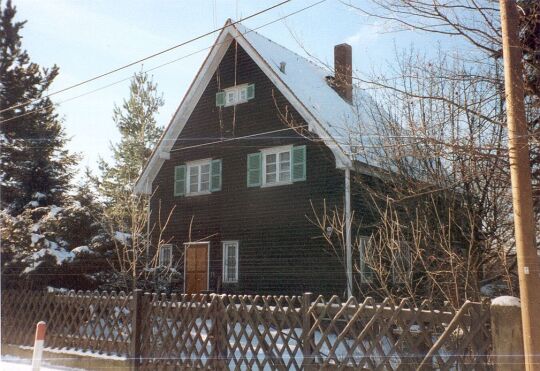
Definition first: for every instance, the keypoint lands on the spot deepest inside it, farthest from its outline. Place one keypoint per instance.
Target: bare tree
(136, 262)
(477, 24)
(432, 138)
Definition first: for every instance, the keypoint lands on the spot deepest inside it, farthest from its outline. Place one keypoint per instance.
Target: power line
(150, 69)
(231, 139)
(144, 59)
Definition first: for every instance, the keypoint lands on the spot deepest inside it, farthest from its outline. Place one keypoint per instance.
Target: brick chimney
(343, 71)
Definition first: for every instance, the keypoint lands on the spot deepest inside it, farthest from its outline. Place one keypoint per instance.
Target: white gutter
(348, 247)
(148, 211)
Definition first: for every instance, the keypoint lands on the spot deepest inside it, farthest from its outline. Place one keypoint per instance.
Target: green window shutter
(180, 180)
(250, 91)
(220, 99)
(298, 163)
(254, 169)
(215, 180)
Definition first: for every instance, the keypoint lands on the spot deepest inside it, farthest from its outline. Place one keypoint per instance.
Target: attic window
(235, 95)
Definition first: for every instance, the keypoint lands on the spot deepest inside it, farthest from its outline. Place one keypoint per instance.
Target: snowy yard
(11, 363)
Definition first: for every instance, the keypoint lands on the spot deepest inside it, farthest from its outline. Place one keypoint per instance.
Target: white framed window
(198, 177)
(165, 255)
(230, 261)
(276, 165)
(366, 272)
(236, 95)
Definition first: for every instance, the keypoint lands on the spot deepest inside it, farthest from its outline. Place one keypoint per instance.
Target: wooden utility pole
(520, 169)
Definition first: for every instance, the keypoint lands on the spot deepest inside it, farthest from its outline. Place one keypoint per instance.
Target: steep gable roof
(308, 82)
(303, 83)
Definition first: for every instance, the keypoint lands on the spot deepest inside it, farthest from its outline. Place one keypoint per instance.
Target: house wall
(281, 251)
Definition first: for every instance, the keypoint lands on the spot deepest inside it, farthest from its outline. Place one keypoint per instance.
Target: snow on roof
(308, 82)
(345, 128)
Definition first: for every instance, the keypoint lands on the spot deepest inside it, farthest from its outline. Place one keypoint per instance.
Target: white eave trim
(182, 114)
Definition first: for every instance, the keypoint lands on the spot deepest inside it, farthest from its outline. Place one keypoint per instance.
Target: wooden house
(255, 148)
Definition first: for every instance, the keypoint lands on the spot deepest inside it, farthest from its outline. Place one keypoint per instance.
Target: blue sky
(87, 38)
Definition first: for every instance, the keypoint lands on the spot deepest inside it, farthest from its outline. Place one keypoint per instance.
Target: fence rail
(253, 332)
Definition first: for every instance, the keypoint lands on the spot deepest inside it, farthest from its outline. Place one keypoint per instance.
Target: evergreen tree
(136, 121)
(35, 167)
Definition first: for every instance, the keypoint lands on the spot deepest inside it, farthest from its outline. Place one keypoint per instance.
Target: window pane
(205, 178)
(231, 268)
(193, 179)
(230, 262)
(231, 97)
(284, 176)
(243, 94)
(165, 256)
(205, 186)
(271, 168)
(284, 166)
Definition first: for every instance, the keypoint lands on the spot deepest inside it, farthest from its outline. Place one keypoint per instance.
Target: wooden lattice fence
(253, 332)
(97, 322)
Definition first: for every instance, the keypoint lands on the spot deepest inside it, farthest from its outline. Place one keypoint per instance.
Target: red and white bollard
(38, 345)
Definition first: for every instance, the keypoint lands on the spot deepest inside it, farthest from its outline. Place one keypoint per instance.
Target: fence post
(136, 326)
(219, 331)
(38, 345)
(306, 327)
(507, 333)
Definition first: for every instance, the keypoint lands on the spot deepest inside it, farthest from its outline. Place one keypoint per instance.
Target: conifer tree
(35, 167)
(136, 121)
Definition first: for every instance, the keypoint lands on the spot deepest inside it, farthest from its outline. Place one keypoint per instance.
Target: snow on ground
(78, 352)
(11, 363)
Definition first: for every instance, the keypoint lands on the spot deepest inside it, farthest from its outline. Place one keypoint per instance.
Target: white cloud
(366, 35)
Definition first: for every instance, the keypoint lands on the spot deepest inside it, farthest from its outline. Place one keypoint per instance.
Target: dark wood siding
(280, 250)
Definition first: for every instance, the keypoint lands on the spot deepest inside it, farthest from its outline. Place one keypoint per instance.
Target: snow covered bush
(52, 245)
(76, 247)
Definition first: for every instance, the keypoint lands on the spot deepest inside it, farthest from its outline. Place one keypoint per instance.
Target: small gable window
(197, 178)
(235, 95)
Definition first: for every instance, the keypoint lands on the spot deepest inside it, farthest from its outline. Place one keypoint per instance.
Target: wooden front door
(196, 268)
